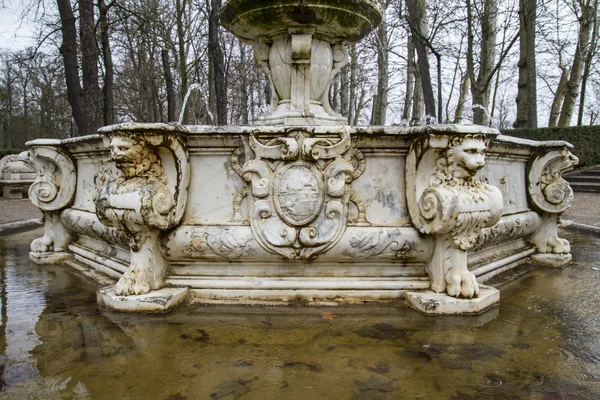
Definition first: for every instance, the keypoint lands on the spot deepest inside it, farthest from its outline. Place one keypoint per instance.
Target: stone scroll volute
(446, 200)
(551, 195)
(52, 191)
(147, 197)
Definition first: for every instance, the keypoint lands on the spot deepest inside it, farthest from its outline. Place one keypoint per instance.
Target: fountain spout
(185, 100)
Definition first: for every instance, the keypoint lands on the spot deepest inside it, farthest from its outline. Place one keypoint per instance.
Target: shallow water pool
(543, 342)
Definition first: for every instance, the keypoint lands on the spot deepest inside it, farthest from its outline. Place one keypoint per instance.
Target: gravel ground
(585, 209)
(17, 209)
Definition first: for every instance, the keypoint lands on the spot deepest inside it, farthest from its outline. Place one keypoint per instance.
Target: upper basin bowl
(347, 20)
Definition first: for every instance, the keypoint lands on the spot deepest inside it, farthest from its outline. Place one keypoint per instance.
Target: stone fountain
(300, 208)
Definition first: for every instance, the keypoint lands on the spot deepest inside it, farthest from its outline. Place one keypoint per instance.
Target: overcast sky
(14, 33)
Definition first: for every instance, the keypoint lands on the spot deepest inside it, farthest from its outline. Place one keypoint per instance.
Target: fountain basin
(342, 20)
(301, 47)
(320, 215)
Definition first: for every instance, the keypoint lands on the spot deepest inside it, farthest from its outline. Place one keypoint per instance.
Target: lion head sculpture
(136, 158)
(462, 159)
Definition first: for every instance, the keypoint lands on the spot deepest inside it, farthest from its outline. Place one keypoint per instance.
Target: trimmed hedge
(5, 152)
(585, 139)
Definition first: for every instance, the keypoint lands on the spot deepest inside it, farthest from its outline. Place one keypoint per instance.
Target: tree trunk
(457, 69)
(352, 106)
(462, 99)
(410, 78)
(417, 106)
(171, 98)
(109, 71)
(417, 18)
(344, 91)
(181, 49)
(559, 96)
(581, 53)
(480, 86)
(588, 62)
(68, 50)
(359, 106)
(381, 103)
(216, 65)
(89, 67)
(526, 96)
(243, 85)
(333, 93)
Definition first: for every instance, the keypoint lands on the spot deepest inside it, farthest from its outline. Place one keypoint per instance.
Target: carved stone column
(444, 199)
(147, 198)
(301, 67)
(551, 195)
(52, 191)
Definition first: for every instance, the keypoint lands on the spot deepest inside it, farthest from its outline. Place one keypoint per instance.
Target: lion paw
(560, 246)
(42, 245)
(133, 282)
(461, 284)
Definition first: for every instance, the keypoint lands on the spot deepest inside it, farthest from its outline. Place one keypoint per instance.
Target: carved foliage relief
(299, 192)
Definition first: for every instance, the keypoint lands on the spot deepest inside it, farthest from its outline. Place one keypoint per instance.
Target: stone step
(586, 187)
(583, 178)
(595, 171)
(589, 172)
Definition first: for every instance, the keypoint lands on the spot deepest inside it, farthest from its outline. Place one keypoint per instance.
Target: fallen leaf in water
(328, 315)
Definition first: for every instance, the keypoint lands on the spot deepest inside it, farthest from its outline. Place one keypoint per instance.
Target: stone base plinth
(285, 114)
(551, 260)
(433, 303)
(157, 301)
(49, 257)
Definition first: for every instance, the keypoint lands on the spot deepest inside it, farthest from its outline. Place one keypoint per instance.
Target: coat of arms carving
(299, 191)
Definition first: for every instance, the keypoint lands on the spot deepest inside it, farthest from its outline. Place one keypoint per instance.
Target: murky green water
(542, 343)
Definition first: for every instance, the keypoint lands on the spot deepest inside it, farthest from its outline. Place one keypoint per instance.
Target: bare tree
(480, 84)
(586, 22)
(588, 63)
(380, 101)
(527, 94)
(417, 18)
(216, 80)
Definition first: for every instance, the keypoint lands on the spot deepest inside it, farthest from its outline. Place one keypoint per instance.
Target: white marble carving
(15, 175)
(329, 199)
(144, 201)
(307, 210)
(300, 57)
(552, 195)
(52, 191)
(299, 192)
(445, 199)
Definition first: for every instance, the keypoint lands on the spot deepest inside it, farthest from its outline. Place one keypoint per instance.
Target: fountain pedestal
(301, 47)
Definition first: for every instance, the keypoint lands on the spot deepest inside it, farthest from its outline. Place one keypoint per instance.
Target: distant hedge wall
(5, 152)
(585, 139)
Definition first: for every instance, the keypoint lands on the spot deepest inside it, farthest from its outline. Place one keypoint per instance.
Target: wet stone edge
(19, 226)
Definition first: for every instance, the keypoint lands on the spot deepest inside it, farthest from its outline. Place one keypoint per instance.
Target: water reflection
(540, 344)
